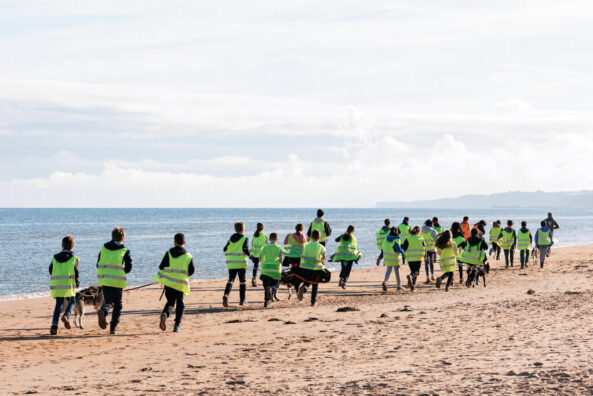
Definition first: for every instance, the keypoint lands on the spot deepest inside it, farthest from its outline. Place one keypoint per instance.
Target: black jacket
(234, 238)
(62, 257)
(406, 245)
(346, 237)
(328, 229)
(473, 241)
(114, 245)
(176, 252)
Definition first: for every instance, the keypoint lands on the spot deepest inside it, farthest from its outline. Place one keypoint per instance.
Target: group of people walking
(304, 254)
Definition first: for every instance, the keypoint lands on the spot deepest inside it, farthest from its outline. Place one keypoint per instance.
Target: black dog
(474, 273)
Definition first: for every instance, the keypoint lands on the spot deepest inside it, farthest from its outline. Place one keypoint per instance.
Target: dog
(285, 281)
(91, 296)
(475, 272)
(535, 256)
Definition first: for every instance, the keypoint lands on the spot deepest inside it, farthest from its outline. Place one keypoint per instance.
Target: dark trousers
(242, 283)
(497, 250)
(414, 270)
(174, 299)
(524, 257)
(449, 277)
(509, 257)
(270, 282)
(59, 306)
(296, 282)
(429, 264)
(255, 261)
(345, 272)
(460, 265)
(310, 274)
(113, 297)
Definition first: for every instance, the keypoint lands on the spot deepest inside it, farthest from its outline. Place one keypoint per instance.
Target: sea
(29, 237)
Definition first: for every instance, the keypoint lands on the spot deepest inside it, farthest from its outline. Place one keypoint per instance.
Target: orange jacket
(465, 229)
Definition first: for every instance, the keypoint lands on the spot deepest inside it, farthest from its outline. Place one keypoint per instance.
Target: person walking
(429, 235)
(448, 254)
(113, 265)
(393, 256)
(320, 225)
(508, 242)
(271, 262)
(552, 225)
(174, 271)
(404, 228)
(495, 232)
(236, 253)
(257, 243)
(380, 237)
(472, 251)
(347, 254)
(293, 249)
(436, 225)
(415, 251)
(64, 279)
(311, 261)
(465, 227)
(524, 241)
(543, 242)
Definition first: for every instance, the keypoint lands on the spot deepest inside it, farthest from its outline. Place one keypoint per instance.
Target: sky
(291, 104)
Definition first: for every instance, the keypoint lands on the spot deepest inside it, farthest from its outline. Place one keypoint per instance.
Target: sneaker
(53, 330)
(384, 284)
(112, 331)
(399, 288)
(313, 303)
(163, 324)
(102, 320)
(439, 280)
(242, 302)
(427, 282)
(447, 288)
(432, 278)
(66, 321)
(413, 288)
(266, 304)
(343, 285)
(176, 329)
(340, 283)
(253, 283)
(225, 301)
(301, 292)
(410, 284)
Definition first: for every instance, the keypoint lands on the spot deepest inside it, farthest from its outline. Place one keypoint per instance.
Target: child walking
(415, 250)
(112, 267)
(508, 242)
(236, 252)
(429, 235)
(174, 272)
(448, 254)
(63, 283)
(524, 241)
(257, 243)
(543, 242)
(271, 261)
(347, 254)
(393, 256)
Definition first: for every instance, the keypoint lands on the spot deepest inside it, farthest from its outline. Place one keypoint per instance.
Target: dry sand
(494, 340)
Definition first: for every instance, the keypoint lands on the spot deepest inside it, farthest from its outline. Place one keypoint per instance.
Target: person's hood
(509, 229)
(545, 228)
(345, 237)
(318, 220)
(177, 251)
(426, 228)
(236, 237)
(114, 245)
(392, 237)
(524, 229)
(64, 256)
(385, 228)
(474, 240)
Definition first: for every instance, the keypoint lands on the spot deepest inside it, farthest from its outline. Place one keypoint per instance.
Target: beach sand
(529, 331)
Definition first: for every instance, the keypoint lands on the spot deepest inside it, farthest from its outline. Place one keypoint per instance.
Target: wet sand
(529, 331)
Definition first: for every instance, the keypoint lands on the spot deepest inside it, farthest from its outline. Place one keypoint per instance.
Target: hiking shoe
(163, 324)
(301, 292)
(176, 329)
(253, 283)
(225, 301)
(53, 330)
(410, 284)
(384, 284)
(439, 280)
(102, 320)
(66, 321)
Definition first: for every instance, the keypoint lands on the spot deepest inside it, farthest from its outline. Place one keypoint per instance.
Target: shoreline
(45, 293)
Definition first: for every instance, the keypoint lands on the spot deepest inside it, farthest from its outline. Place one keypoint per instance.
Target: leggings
(429, 264)
(345, 272)
(449, 276)
(255, 261)
(113, 299)
(509, 256)
(242, 283)
(524, 257)
(460, 265)
(388, 273)
(414, 270)
(174, 299)
(543, 251)
(496, 248)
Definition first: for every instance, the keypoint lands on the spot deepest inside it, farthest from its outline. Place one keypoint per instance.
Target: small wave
(23, 296)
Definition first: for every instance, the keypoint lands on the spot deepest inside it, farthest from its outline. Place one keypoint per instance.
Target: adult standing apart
(552, 225)
(320, 225)
(543, 241)
(465, 227)
(404, 228)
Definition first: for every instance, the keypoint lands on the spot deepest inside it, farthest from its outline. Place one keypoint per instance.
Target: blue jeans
(59, 306)
(429, 264)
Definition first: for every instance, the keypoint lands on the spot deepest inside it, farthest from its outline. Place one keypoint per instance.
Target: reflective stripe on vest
(404, 230)
(270, 261)
(543, 238)
(293, 248)
(110, 269)
(506, 239)
(311, 258)
(234, 255)
(416, 250)
(448, 260)
(495, 234)
(390, 257)
(257, 244)
(319, 226)
(472, 254)
(176, 275)
(347, 250)
(63, 282)
(380, 236)
(523, 240)
(428, 241)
